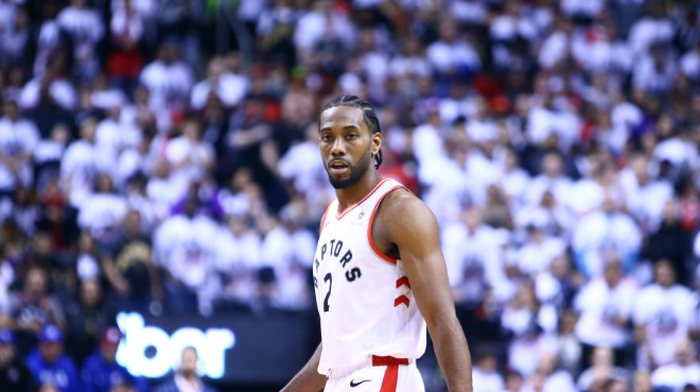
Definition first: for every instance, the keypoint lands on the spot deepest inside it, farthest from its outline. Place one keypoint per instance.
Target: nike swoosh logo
(353, 384)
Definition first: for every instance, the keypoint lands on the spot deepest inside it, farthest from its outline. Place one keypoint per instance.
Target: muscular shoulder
(402, 213)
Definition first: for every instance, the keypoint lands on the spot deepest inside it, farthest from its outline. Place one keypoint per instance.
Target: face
(188, 365)
(665, 276)
(613, 273)
(36, 282)
(347, 145)
(50, 351)
(90, 292)
(7, 353)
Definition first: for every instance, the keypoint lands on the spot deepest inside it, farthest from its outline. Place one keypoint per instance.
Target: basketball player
(379, 273)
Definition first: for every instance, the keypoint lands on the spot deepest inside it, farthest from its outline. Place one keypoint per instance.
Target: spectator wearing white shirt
(168, 79)
(551, 377)
(663, 316)
(681, 372)
(545, 121)
(184, 247)
(609, 229)
(48, 83)
(286, 258)
(86, 28)
(472, 256)
(229, 87)
(18, 139)
(605, 306)
(645, 196)
(539, 250)
(303, 167)
(514, 180)
(551, 179)
(654, 28)
(654, 73)
(48, 153)
(485, 376)
(188, 155)
(82, 163)
(103, 212)
(452, 55)
(601, 370)
(532, 325)
(410, 62)
(112, 136)
(238, 259)
(556, 48)
(508, 31)
(320, 23)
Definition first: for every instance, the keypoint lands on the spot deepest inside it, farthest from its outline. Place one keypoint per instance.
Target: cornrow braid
(368, 114)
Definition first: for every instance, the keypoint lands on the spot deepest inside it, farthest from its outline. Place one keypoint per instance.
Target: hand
(122, 287)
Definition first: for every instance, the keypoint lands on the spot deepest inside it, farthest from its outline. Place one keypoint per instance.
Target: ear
(376, 143)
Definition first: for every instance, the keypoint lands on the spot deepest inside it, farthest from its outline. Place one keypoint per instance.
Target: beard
(356, 172)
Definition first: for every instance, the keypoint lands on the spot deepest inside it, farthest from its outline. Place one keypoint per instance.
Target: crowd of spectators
(152, 160)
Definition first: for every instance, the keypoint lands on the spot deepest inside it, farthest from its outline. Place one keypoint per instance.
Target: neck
(351, 195)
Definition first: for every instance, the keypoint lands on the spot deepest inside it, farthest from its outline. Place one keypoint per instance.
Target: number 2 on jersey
(328, 278)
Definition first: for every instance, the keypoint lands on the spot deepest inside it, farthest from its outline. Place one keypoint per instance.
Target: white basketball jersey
(363, 296)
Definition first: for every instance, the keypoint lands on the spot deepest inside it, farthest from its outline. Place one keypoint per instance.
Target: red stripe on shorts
(391, 378)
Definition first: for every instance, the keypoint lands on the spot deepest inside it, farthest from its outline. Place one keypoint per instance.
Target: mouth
(338, 167)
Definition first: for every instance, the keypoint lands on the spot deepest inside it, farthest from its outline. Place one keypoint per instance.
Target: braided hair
(368, 114)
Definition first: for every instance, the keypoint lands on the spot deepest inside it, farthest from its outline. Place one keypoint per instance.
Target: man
(683, 371)
(14, 375)
(50, 366)
(102, 373)
(186, 379)
(379, 273)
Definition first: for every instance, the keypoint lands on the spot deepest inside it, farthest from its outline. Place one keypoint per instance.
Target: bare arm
(308, 379)
(415, 236)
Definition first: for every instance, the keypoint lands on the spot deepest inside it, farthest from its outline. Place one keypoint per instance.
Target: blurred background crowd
(161, 156)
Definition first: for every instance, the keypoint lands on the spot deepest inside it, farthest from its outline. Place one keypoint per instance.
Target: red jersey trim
(372, 245)
(367, 196)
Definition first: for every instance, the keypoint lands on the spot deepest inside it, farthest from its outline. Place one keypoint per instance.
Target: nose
(338, 148)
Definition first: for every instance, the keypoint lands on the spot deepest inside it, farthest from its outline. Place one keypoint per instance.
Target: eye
(352, 136)
(325, 137)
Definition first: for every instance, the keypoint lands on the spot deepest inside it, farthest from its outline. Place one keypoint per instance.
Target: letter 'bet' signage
(210, 344)
(237, 348)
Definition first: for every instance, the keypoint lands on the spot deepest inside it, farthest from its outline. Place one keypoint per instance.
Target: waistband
(373, 360)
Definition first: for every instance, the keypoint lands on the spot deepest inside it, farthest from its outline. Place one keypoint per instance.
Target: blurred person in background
(184, 249)
(14, 374)
(605, 305)
(663, 316)
(34, 307)
(553, 378)
(670, 242)
(168, 79)
(608, 229)
(529, 325)
(86, 318)
(82, 163)
(602, 361)
(50, 365)
(18, 138)
(129, 266)
(286, 258)
(186, 378)
(238, 259)
(101, 372)
(485, 376)
(684, 370)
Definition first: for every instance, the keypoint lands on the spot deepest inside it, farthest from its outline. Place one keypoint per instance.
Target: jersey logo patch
(358, 220)
(353, 384)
